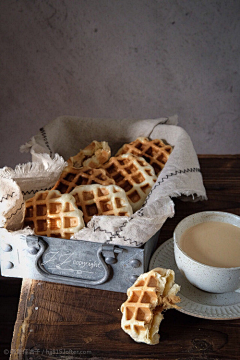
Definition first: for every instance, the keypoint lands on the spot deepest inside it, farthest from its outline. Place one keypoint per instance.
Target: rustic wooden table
(57, 321)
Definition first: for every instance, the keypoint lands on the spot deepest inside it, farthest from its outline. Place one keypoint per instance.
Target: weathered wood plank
(60, 321)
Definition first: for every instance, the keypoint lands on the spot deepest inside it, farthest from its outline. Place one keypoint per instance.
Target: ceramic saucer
(194, 301)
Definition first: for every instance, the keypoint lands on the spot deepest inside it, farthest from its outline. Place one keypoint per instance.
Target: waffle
(72, 177)
(134, 175)
(50, 213)
(148, 297)
(155, 152)
(101, 200)
(94, 155)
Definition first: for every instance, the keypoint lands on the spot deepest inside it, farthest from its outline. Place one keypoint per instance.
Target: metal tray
(75, 262)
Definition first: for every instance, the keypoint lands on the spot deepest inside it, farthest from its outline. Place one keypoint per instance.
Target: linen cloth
(65, 136)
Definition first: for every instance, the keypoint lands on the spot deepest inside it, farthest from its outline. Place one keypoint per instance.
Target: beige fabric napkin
(66, 135)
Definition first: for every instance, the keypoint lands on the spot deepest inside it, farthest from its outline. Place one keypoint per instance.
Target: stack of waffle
(134, 175)
(97, 184)
(72, 177)
(50, 213)
(93, 155)
(156, 152)
(101, 200)
(150, 295)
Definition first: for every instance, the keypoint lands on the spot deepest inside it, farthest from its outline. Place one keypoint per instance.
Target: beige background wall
(120, 58)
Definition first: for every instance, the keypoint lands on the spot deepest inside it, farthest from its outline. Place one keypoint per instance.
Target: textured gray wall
(120, 59)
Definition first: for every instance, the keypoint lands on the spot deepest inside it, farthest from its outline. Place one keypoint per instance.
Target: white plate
(196, 302)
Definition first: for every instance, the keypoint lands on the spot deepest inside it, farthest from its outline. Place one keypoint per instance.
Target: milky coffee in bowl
(207, 250)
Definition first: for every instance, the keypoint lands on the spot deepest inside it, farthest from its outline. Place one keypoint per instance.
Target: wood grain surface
(67, 322)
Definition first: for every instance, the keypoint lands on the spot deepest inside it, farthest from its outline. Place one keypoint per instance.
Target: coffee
(213, 243)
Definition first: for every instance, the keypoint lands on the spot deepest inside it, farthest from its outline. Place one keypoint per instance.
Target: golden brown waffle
(151, 294)
(134, 175)
(155, 152)
(94, 155)
(72, 177)
(52, 214)
(101, 200)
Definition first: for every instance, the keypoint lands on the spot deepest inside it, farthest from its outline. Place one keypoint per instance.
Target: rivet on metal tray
(33, 244)
(32, 251)
(110, 260)
(6, 247)
(133, 278)
(8, 265)
(135, 263)
(109, 253)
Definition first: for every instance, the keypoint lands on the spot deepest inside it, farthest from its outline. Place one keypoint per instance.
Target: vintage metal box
(75, 262)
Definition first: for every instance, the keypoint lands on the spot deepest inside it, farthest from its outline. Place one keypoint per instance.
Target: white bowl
(206, 277)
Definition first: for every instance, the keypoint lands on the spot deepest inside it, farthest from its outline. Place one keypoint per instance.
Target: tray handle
(41, 270)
